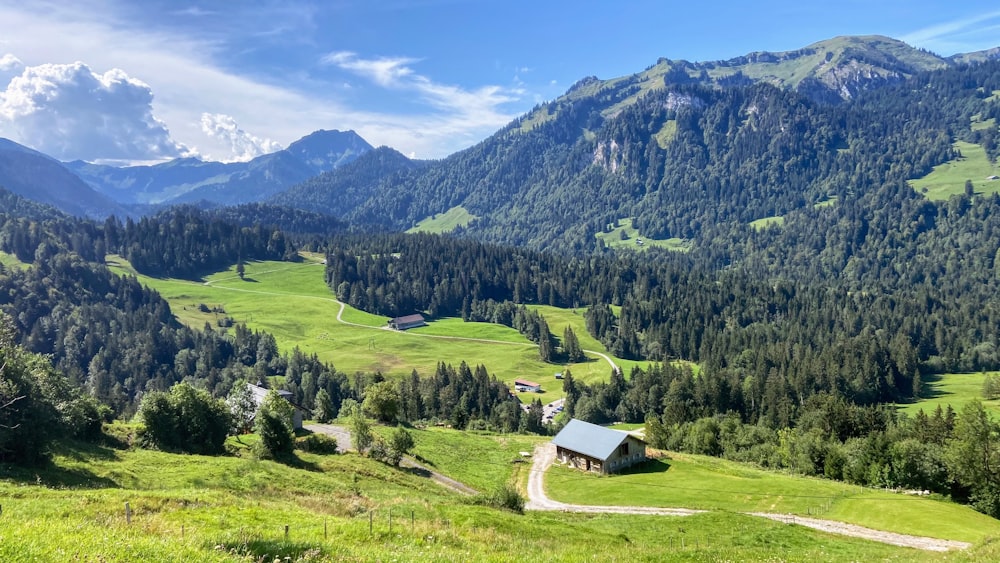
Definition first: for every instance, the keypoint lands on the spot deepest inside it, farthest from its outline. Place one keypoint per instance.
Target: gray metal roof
(589, 439)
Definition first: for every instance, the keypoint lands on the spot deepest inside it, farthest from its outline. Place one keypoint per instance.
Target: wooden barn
(595, 448)
(524, 385)
(408, 321)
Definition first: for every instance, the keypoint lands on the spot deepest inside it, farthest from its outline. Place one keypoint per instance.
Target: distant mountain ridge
(42, 179)
(188, 180)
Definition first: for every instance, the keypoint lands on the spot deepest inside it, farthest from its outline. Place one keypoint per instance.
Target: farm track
(537, 500)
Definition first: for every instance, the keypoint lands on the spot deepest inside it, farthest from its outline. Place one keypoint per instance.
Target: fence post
(370, 522)
(411, 522)
(182, 531)
(286, 532)
(390, 519)
(324, 528)
(128, 513)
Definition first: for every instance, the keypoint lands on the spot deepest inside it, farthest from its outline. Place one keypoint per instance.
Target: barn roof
(589, 439)
(416, 318)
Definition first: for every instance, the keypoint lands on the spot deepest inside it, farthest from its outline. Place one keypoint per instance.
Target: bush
(504, 497)
(186, 420)
(274, 426)
(317, 444)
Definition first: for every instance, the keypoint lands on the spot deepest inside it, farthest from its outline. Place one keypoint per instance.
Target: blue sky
(139, 81)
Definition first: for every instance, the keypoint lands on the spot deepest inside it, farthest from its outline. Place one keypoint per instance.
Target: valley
(781, 270)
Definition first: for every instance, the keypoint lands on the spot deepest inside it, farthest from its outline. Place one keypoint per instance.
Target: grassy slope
(290, 301)
(613, 239)
(709, 483)
(948, 179)
(444, 222)
(10, 261)
(189, 508)
(955, 389)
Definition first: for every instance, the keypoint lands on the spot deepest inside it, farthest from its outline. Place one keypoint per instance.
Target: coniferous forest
(803, 333)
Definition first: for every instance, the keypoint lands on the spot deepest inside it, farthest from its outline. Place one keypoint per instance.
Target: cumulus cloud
(10, 66)
(244, 145)
(68, 111)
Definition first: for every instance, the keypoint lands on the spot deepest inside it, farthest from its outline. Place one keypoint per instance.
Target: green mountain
(684, 149)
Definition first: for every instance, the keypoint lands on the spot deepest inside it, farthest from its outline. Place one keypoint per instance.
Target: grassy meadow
(337, 507)
(955, 389)
(291, 301)
(948, 179)
(613, 239)
(690, 481)
(763, 223)
(10, 261)
(444, 222)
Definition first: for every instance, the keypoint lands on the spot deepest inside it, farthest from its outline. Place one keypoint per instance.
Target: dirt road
(537, 500)
(544, 455)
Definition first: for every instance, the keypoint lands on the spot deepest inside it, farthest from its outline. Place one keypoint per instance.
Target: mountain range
(752, 137)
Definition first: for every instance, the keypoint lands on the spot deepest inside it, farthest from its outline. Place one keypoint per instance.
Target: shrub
(317, 444)
(503, 497)
(185, 419)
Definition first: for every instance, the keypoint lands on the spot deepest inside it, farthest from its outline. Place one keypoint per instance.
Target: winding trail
(537, 500)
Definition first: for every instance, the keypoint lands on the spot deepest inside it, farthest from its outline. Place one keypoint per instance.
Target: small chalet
(259, 392)
(409, 321)
(525, 385)
(595, 448)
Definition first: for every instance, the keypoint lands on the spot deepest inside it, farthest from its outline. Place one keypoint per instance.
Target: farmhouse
(525, 385)
(409, 321)
(259, 392)
(595, 448)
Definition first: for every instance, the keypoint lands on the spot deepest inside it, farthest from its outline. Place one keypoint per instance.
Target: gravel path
(537, 500)
(544, 455)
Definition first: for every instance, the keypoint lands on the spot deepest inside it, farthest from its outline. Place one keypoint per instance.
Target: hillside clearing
(948, 179)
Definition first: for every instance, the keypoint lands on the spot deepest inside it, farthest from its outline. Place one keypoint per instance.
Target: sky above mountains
(117, 81)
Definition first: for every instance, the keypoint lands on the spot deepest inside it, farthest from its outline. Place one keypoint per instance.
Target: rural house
(408, 321)
(595, 448)
(259, 392)
(525, 385)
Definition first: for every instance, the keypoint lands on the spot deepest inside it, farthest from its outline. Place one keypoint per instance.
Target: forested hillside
(686, 160)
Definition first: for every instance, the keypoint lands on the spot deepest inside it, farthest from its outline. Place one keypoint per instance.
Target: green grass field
(666, 133)
(690, 481)
(10, 261)
(955, 389)
(290, 301)
(948, 179)
(444, 222)
(761, 224)
(335, 508)
(613, 239)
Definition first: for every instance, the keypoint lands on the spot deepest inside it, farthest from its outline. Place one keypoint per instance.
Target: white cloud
(956, 36)
(244, 145)
(9, 62)
(479, 108)
(190, 74)
(68, 111)
(385, 71)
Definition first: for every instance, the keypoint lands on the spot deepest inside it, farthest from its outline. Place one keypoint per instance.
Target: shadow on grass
(48, 474)
(929, 389)
(648, 466)
(417, 471)
(292, 460)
